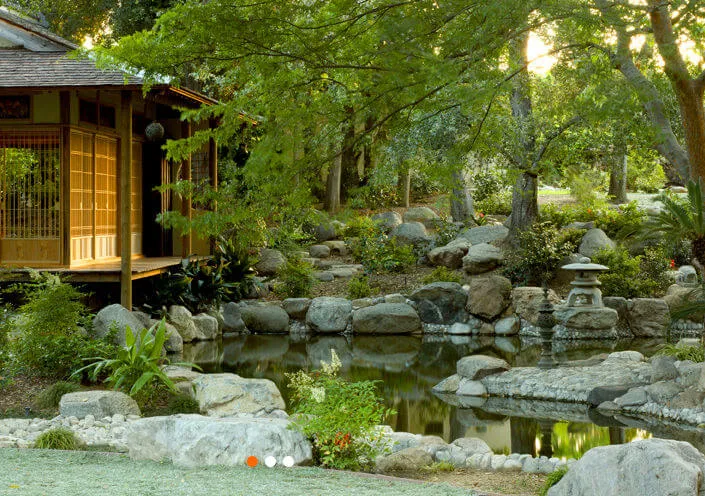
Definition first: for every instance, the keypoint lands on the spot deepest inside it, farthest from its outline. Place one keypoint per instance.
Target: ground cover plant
(58, 439)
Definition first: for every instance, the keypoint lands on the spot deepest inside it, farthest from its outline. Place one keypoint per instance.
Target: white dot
(270, 461)
(288, 461)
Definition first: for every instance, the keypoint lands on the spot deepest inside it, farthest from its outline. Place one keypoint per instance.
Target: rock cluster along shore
(487, 306)
(623, 383)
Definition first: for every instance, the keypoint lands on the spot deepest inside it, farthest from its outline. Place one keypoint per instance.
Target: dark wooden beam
(65, 199)
(186, 202)
(126, 199)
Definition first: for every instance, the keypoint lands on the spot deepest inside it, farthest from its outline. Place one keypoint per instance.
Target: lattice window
(30, 164)
(106, 186)
(81, 184)
(136, 187)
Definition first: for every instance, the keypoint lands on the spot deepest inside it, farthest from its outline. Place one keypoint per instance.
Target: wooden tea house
(80, 157)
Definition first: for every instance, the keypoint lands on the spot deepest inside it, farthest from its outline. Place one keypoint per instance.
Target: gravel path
(26, 472)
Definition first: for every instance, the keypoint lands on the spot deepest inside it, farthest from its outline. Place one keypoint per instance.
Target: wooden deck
(99, 272)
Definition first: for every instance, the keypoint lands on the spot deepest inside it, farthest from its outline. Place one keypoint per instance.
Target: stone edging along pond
(623, 383)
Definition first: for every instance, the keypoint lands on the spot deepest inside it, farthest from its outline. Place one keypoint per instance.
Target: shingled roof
(24, 69)
(36, 28)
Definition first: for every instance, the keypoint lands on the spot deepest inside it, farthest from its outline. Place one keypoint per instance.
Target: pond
(408, 367)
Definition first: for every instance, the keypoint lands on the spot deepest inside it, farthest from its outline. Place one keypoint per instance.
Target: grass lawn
(60, 473)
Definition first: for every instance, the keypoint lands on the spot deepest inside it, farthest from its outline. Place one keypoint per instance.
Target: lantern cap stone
(585, 267)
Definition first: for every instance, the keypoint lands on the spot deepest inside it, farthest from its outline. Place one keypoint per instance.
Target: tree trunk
(405, 187)
(461, 208)
(332, 200)
(525, 207)
(688, 90)
(618, 175)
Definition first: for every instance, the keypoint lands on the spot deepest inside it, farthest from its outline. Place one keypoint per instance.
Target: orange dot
(252, 461)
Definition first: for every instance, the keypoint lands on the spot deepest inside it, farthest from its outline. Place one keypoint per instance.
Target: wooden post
(213, 160)
(65, 199)
(126, 199)
(186, 206)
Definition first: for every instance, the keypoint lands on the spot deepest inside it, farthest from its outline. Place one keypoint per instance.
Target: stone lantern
(584, 316)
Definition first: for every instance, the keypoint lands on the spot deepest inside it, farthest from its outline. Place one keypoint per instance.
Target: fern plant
(682, 219)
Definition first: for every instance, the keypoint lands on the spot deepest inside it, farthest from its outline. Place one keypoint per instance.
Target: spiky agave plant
(682, 219)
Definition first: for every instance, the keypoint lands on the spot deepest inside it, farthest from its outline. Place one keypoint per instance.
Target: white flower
(333, 367)
(318, 394)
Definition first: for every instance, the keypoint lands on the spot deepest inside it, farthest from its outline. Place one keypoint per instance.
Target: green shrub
(643, 276)
(443, 274)
(339, 417)
(486, 183)
(644, 173)
(50, 397)
(446, 231)
(539, 253)
(58, 439)
(499, 203)
(552, 479)
(376, 251)
(373, 196)
(362, 227)
(617, 222)
(694, 353)
(359, 287)
(296, 279)
(237, 268)
(137, 364)
(51, 333)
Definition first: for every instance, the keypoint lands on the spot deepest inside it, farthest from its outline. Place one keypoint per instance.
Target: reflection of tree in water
(573, 439)
(524, 432)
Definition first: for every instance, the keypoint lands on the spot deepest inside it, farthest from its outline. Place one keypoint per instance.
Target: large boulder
(485, 234)
(649, 466)
(206, 326)
(325, 231)
(450, 255)
(412, 233)
(677, 296)
(197, 441)
(406, 460)
(421, 214)
(319, 251)
(174, 342)
(648, 317)
(386, 318)
(586, 322)
(97, 403)
(232, 318)
(527, 301)
(327, 314)
(182, 319)
(594, 241)
(475, 367)
(270, 261)
(296, 307)
(482, 258)
(388, 220)
(449, 298)
(489, 296)
(116, 317)
(266, 318)
(223, 395)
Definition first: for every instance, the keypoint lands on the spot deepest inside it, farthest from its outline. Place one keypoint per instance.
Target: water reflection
(409, 366)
